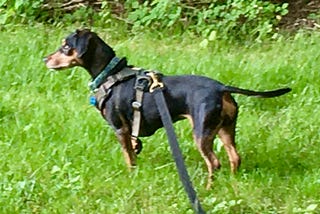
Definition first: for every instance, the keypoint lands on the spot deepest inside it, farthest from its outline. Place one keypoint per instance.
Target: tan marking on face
(59, 60)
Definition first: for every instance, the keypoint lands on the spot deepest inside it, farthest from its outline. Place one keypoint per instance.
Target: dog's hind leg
(227, 132)
(227, 136)
(204, 145)
(206, 126)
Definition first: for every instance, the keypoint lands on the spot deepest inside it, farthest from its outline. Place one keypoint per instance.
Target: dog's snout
(46, 59)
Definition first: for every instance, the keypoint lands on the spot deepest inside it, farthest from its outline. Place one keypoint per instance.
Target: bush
(19, 10)
(228, 19)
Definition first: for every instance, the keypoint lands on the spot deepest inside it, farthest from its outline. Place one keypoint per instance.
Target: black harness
(101, 93)
(149, 81)
(146, 81)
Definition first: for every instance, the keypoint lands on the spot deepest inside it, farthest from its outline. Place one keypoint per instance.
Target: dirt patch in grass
(302, 14)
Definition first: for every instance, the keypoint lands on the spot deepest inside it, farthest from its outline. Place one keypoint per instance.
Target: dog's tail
(262, 94)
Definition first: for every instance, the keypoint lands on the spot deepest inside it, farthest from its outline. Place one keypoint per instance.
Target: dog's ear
(83, 31)
(83, 41)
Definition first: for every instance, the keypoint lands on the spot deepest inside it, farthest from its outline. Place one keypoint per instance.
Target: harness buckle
(142, 83)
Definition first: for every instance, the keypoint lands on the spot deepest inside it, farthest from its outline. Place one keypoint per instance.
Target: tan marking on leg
(204, 146)
(227, 131)
(227, 136)
(128, 153)
(134, 143)
(229, 107)
(190, 119)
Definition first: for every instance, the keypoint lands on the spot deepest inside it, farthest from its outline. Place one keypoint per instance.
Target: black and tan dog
(207, 103)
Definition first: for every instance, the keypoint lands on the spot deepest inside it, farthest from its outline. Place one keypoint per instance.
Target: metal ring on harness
(136, 105)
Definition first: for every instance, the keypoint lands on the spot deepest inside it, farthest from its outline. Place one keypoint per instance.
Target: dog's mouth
(60, 61)
(55, 67)
(58, 66)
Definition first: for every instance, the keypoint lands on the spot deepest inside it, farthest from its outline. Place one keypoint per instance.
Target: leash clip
(156, 81)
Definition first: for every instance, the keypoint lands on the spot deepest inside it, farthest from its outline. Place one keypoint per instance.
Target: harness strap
(102, 93)
(120, 76)
(136, 105)
(101, 97)
(142, 85)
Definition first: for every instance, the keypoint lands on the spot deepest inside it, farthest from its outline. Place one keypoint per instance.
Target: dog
(205, 102)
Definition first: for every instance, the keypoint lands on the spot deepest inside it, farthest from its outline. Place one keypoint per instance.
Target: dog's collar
(94, 84)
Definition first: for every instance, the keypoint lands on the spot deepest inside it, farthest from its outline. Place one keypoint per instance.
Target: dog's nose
(45, 59)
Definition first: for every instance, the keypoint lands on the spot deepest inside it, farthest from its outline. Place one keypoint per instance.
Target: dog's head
(70, 52)
(74, 50)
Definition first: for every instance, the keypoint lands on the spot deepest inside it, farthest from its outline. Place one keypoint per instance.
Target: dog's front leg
(128, 152)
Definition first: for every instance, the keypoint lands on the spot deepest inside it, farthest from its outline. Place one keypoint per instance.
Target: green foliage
(230, 19)
(57, 155)
(81, 16)
(19, 10)
(157, 14)
(315, 16)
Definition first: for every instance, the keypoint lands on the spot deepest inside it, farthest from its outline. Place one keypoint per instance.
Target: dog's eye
(66, 49)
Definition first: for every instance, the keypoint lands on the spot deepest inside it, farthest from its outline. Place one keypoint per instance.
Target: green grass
(57, 155)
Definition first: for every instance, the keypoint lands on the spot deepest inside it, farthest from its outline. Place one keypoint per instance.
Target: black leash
(175, 150)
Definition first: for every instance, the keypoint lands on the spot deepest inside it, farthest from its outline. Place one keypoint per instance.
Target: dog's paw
(137, 147)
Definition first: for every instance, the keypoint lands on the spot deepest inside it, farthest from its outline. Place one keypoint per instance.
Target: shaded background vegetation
(223, 19)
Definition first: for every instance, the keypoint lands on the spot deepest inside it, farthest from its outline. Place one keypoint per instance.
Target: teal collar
(102, 76)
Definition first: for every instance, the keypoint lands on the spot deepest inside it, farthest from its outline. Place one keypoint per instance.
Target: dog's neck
(101, 61)
(97, 58)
